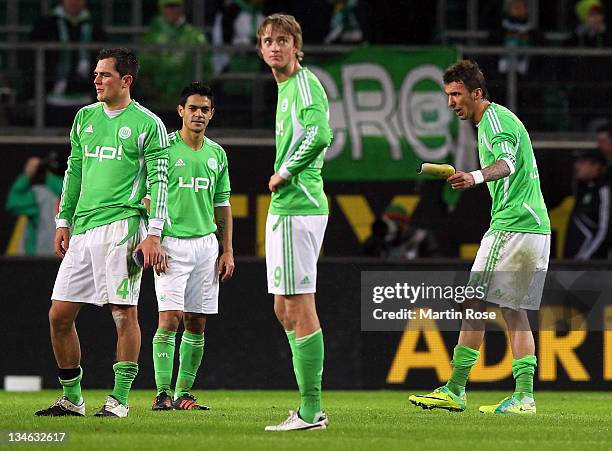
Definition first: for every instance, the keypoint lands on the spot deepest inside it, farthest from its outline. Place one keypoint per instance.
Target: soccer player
(117, 147)
(298, 210)
(512, 260)
(198, 197)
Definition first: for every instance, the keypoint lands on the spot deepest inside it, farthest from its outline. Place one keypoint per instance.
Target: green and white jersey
(111, 160)
(198, 181)
(518, 204)
(302, 137)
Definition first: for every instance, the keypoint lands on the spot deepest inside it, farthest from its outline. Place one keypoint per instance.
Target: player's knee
(59, 321)
(170, 320)
(125, 318)
(195, 323)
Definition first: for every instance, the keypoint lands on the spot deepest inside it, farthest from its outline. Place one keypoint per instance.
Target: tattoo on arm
(220, 229)
(496, 171)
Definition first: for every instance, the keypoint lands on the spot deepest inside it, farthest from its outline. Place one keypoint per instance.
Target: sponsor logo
(88, 129)
(305, 280)
(179, 163)
(212, 164)
(196, 183)
(103, 152)
(125, 132)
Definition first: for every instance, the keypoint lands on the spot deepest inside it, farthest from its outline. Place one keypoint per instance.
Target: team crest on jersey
(125, 132)
(212, 164)
(284, 105)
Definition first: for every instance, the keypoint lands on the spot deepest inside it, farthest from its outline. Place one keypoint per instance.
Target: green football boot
(440, 398)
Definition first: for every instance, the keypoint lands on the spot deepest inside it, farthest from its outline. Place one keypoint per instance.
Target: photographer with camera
(394, 236)
(35, 195)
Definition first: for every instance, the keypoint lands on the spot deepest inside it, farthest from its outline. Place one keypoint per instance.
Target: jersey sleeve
(314, 116)
(504, 140)
(71, 189)
(223, 188)
(156, 159)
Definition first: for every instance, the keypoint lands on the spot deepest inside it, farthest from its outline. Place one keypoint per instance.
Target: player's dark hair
(196, 88)
(126, 62)
(468, 73)
(605, 128)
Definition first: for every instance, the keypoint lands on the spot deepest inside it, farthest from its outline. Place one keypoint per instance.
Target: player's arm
(504, 140)
(156, 160)
(225, 224)
(317, 138)
(71, 191)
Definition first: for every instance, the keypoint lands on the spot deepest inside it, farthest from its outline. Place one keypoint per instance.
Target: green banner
(388, 112)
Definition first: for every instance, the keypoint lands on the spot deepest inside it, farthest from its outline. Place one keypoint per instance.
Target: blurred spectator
(164, 73)
(604, 144)
(517, 32)
(344, 27)
(587, 233)
(393, 236)
(35, 194)
(69, 73)
(592, 31)
(236, 23)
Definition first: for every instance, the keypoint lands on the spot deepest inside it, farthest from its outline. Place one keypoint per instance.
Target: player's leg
(119, 278)
(73, 282)
(170, 293)
(163, 356)
(520, 289)
(293, 281)
(190, 358)
(523, 365)
(67, 350)
(451, 396)
(201, 300)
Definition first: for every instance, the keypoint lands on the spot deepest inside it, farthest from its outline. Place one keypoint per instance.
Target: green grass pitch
(369, 420)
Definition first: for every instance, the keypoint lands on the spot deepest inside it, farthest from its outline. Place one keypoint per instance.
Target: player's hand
(461, 180)
(62, 241)
(275, 181)
(162, 266)
(152, 251)
(225, 267)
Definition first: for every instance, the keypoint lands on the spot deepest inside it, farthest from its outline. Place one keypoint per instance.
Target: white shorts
(98, 267)
(511, 267)
(293, 244)
(190, 283)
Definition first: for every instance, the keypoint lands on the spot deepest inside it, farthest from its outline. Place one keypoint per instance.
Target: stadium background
(359, 191)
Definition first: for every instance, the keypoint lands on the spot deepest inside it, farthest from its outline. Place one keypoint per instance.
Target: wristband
(478, 177)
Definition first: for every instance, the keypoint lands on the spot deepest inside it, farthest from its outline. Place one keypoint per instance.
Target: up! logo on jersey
(196, 183)
(104, 152)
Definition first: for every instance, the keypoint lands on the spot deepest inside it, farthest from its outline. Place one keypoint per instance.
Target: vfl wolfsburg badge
(212, 164)
(284, 105)
(125, 132)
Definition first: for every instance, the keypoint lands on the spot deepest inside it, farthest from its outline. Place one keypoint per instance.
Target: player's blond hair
(286, 23)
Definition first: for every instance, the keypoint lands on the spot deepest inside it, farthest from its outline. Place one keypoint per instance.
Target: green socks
(464, 359)
(291, 340)
(163, 358)
(523, 370)
(71, 383)
(308, 364)
(125, 373)
(191, 352)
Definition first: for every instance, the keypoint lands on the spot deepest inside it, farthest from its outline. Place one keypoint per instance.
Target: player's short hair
(286, 23)
(605, 128)
(126, 62)
(468, 73)
(196, 88)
